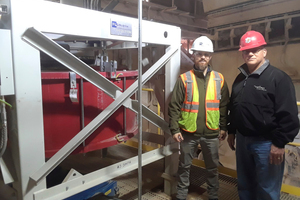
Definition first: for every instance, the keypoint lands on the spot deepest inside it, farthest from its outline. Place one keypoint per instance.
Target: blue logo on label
(114, 24)
(121, 28)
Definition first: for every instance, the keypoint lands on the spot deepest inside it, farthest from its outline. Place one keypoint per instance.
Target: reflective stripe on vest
(212, 101)
(190, 107)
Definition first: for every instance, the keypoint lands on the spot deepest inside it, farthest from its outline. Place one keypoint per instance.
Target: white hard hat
(203, 43)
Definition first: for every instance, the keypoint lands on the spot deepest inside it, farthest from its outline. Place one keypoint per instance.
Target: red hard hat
(251, 39)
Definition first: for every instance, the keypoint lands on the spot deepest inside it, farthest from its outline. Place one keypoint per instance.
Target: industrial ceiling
(200, 17)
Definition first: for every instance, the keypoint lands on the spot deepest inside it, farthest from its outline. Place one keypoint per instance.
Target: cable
(6, 103)
(3, 138)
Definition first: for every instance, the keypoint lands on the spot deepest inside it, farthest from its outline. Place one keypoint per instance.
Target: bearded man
(198, 115)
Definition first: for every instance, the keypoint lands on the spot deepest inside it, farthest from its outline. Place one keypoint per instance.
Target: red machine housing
(62, 117)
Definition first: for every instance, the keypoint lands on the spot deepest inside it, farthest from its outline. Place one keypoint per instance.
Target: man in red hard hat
(263, 118)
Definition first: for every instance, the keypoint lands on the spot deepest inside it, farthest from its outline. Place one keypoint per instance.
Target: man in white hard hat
(197, 113)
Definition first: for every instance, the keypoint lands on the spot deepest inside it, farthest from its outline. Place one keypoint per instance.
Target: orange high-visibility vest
(190, 107)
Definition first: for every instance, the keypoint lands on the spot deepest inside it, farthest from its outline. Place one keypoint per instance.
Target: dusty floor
(152, 181)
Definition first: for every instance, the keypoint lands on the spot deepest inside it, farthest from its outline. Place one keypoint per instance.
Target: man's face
(255, 56)
(201, 59)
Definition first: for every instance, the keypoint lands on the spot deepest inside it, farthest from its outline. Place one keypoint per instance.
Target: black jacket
(264, 104)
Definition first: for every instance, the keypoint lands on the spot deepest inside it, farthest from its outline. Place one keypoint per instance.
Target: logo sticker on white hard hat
(201, 43)
(248, 40)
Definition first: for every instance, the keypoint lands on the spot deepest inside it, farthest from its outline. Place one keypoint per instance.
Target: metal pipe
(92, 4)
(124, 114)
(82, 107)
(140, 16)
(98, 5)
(148, 13)
(195, 8)
(95, 5)
(88, 4)
(129, 59)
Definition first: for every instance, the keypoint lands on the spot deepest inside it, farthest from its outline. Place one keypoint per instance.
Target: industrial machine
(55, 112)
(65, 114)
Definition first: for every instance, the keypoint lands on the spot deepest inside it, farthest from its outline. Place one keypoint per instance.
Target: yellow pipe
(148, 89)
(294, 144)
(158, 113)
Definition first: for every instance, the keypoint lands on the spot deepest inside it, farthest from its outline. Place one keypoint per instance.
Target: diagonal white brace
(100, 119)
(48, 46)
(40, 41)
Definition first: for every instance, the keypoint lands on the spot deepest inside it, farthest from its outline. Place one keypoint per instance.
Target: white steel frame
(29, 22)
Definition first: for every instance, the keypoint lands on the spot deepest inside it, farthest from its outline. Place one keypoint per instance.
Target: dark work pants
(211, 158)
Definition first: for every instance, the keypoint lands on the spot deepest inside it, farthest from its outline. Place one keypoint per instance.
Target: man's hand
(276, 155)
(222, 135)
(231, 141)
(178, 137)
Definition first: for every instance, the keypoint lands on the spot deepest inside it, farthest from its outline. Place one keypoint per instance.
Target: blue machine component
(108, 189)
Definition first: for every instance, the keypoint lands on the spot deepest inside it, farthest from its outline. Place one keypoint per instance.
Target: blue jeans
(257, 178)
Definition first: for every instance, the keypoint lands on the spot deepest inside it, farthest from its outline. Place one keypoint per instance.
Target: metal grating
(228, 186)
(227, 191)
(155, 196)
(285, 196)
(126, 186)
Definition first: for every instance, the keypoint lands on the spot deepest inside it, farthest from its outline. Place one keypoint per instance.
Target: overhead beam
(255, 11)
(154, 13)
(210, 5)
(175, 19)
(110, 6)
